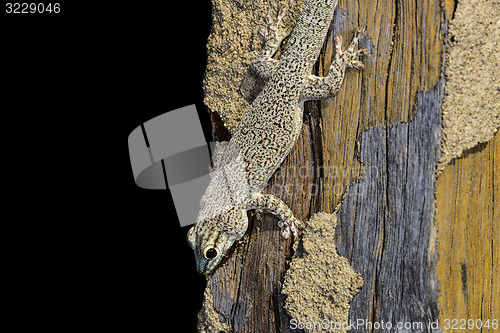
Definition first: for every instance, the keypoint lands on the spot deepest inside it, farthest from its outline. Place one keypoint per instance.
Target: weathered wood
(375, 145)
(387, 220)
(468, 219)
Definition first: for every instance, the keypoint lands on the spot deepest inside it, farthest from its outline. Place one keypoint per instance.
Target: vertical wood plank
(468, 219)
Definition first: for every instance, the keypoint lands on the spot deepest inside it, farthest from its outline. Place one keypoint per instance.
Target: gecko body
(267, 132)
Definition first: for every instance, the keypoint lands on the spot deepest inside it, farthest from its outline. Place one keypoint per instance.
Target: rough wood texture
(387, 220)
(404, 39)
(386, 232)
(468, 219)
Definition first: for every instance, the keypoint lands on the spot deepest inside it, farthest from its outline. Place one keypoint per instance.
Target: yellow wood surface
(468, 221)
(404, 42)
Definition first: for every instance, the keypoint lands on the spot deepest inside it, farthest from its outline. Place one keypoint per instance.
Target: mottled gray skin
(269, 129)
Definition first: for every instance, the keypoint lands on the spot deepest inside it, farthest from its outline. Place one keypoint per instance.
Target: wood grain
(369, 126)
(468, 219)
(387, 220)
(404, 39)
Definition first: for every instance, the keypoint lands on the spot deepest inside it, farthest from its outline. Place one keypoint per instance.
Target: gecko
(268, 131)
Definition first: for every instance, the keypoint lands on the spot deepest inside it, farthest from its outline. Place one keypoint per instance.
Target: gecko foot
(290, 226)
(349, 57)
(274, 34)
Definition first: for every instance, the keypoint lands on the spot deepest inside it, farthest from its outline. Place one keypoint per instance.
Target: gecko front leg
(263, 63)
(317, 87)
(276, 206)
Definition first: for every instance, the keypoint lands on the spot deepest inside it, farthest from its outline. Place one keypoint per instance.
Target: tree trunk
(368, 158)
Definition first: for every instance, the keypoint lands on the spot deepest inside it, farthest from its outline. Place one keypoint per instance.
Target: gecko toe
(286, 233)
(357, 64)
(362, 51)
(282, 12)
(299, 224)
(263, 32)
(269, 20)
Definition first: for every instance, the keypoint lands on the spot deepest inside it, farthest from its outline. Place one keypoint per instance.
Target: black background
(90, 247)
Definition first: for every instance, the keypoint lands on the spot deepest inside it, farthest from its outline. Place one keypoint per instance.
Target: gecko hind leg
(288, 223)
(263, 63)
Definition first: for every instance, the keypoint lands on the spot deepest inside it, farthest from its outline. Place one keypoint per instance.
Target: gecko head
(211, 244)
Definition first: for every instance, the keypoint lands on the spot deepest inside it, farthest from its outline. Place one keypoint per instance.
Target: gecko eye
(211, 253)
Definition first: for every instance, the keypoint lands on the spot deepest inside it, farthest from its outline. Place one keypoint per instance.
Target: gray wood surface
(387, 220)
